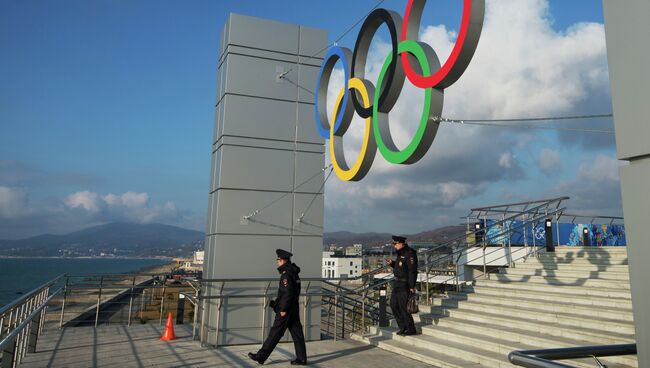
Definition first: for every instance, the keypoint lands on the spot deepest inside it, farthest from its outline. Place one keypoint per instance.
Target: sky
(107, 113)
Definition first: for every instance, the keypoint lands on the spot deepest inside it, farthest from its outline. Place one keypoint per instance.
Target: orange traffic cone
(168, 334)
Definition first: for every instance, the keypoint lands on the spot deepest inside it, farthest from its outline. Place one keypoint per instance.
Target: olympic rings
(357, 93)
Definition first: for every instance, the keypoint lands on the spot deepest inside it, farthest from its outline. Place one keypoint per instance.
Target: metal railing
(94, 299)
(344, 310)
(544, 358)
(21, 323)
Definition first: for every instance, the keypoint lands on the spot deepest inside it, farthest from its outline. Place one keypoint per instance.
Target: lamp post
(585, 237)
(478, 233)
(548, 234)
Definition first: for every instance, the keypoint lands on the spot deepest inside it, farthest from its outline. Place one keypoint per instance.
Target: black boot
(256, 358)
(298, 362)
(401, 332)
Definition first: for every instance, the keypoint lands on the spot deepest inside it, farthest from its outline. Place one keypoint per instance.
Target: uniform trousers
(398, 300)
(290, 321)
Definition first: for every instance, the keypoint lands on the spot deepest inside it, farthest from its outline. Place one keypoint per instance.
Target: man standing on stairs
(405, 270)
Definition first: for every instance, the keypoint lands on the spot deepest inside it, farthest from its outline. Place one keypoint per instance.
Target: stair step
(496, 339)
(587, 250)
(558, 289)
(534, 264)
(462, 299)
(562, 281)
(572, 331)
(580, 261)
(546, 295)
(424, 355)
(590, 274)
(471, 353)
(541, 315)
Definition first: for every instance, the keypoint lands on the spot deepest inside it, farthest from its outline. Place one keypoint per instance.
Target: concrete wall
(627, 28)
(267, 161)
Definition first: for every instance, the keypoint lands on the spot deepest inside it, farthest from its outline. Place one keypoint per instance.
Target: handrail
(498, 235)
(30, 294)
(18, 329)
(546, 204)
(543, 358)
(550, 200)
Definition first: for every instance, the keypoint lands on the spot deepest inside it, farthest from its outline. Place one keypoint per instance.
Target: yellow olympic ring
(369, 146)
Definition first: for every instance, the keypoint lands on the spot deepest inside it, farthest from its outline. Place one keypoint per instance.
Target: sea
(20, 275)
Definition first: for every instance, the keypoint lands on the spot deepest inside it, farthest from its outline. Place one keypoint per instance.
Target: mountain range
(137, 240)
(438, 236)
(117, 238)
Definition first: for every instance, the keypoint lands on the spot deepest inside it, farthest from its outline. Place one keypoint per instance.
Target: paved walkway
(138, 346)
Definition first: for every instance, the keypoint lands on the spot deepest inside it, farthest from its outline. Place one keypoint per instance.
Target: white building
(198, 257)
(341, 267)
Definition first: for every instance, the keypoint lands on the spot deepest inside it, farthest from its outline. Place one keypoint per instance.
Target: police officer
(286, 309)
(405, 269)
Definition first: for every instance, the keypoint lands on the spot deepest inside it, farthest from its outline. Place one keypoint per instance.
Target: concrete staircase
(573, 297)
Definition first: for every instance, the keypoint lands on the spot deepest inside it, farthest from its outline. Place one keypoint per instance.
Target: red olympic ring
(468, 35)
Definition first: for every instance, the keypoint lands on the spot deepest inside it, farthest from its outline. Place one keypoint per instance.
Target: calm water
(24, 274)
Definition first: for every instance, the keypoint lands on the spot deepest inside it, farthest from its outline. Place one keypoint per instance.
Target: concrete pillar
(627, 26)
(267, 171)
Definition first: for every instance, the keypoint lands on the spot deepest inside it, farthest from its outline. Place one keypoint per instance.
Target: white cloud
(13, 202)
(596, 187)
(82, 209)
(603, 168)
(549, 161)
(86, 200)
(506, 160)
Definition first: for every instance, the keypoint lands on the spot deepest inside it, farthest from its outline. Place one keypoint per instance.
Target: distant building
(341, 267)
(198, 257)
(355, 250)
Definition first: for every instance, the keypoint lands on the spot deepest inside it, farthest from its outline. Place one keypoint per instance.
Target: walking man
(405, 270)
(286, 312)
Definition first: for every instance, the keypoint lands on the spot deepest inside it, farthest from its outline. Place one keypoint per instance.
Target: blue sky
(116, 97)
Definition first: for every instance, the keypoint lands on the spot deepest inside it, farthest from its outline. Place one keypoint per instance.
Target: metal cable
(287, 193)
(315, 195)
(487, 123)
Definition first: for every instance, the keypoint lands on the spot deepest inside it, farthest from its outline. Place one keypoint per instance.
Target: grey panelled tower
(628, 55)
(266, 187)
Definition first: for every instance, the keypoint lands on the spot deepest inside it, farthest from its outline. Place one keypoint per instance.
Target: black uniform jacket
(405, 266)
(289, 288)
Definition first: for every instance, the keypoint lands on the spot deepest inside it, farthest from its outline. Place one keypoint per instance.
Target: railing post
(336, 307)
(162, 304)
(484, 264)
(266, 291)
(65, 293)
(196, 314)
(307, 299)
(383, 319)
(131, 303)
(142, 296)
(34, 331)
(363, 312)
(99, 299)
(9, 355)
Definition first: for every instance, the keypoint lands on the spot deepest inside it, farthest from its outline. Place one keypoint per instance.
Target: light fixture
(549, 223)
